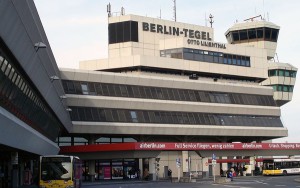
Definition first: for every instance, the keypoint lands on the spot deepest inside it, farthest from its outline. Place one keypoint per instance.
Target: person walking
(170, 174)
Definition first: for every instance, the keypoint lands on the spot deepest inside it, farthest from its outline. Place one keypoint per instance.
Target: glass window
(267, 33)
(293, 74)
(238, 60)
(188, 56)
(225, 59)
(123, 90)
(235, 36)
(243, 35)
(108, 115)
(198, 57)
(116, 140)
(229, 59)
(285, 88)
(252, 34)
(281, 72)
(291, 88)
(247, 62)
(287, 73)
(274, 35)
(272, 73)
(260, 33)
(216, 57)
(243, 61)
(234, 60)
(84, 88)
(133, 116)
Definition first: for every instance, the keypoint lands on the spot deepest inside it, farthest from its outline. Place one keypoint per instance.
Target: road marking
(280, 185)
(235, 186)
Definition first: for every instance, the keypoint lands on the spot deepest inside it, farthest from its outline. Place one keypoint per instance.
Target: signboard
(175, 146)
(178, 163)
(216, 146)
(214, 157)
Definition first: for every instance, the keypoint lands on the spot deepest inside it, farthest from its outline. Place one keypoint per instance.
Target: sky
(77, 30)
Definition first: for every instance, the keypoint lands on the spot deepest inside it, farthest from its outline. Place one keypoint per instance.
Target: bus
(281, 166)
(60, 171)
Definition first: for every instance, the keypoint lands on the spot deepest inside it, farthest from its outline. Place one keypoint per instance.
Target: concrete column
(91, 162)
(141, 168)
(185, 162)
(224, 166)
(152, 173)
(205, 167)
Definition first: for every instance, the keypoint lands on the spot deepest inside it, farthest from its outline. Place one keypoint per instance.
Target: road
(244, 182)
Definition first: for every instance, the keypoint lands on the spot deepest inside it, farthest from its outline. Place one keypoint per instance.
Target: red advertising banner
(178, 146)
(216, 146)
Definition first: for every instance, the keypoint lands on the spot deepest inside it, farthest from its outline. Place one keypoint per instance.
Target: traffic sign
(178, 163)
(213, 157)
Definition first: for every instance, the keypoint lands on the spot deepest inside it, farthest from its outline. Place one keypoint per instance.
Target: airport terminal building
(163, 83)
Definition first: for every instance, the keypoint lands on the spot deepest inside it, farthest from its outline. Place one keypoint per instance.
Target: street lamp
(52, 78)
(63, 97)
(39, 45)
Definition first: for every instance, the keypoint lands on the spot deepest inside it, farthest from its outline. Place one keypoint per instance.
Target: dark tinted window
(123, 32)
(243, 35)
(267, 33)
(274, 34)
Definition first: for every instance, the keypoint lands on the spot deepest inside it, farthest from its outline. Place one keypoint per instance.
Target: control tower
(263, 34)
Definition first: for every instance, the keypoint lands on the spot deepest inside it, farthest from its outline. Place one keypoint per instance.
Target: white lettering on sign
(152, 146)
(252, 146)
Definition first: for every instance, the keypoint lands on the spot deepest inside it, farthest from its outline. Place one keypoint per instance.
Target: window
(235, 36)
(133, 116)
(243, 35)
(123, 32)
(274, 34)
(267, 33)
(281, 73)
(260, 33)
(84, 88)
(252, 34)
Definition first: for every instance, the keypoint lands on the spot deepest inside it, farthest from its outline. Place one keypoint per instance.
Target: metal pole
(214, 173)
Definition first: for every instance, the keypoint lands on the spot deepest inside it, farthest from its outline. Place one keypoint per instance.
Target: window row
(18, 97)
(282, 72)
(206, 56)
(73, 141)
(284, 88)
(119, 90)
(262, 33)
(166, 117)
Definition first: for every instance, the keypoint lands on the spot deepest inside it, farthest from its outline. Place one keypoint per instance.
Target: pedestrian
(230, 175)
(170, 174)
(244, 170)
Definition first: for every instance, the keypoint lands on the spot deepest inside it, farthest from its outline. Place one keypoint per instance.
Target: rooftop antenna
(108, 10)
(211, 20)
(159, 13)
(264, 9)
(174, 10)
(205, 19)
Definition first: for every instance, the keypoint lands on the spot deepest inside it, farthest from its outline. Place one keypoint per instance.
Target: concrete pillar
(224, 166)
(205, 167)
(185, 163)
(91, 162)
(141, 168)
(152, 172)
